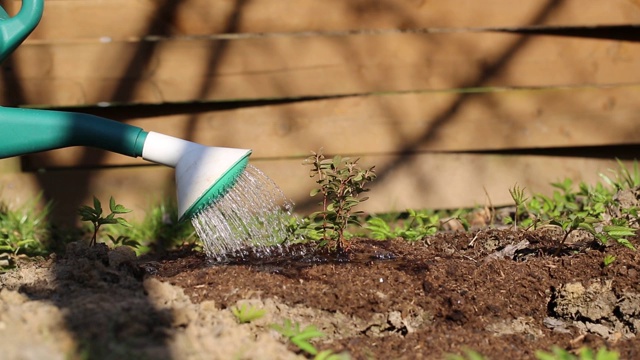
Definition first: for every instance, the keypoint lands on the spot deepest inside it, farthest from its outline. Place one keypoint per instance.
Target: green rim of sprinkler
(218, 189)
(203, 173)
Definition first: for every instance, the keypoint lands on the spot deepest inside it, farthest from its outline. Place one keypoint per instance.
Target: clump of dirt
(598, 309)
(501, 292)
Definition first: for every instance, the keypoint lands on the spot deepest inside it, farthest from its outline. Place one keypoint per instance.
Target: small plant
(585, 209)
(340, 181)
(608, 260)
(94, 215)
(623, 178)
(159, 230)
(417, 226)
(517, 194)
(23, 232)
(570, 224)
(558, 353)
(246, 313)
(299, 337)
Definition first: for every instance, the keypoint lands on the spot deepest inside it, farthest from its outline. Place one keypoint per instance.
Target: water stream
(251, 218)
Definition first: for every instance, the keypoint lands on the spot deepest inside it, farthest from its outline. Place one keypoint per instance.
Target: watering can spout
(13, 30)
(203, 173)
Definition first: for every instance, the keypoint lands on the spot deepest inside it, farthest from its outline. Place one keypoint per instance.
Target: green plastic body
(24, 131)
(13, 30)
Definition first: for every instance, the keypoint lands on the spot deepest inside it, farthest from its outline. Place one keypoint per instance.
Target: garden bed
(501, 292)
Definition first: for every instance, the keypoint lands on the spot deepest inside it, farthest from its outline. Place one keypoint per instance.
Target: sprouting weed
(517, 194)
(608, 260)
(246, 313)
(417, 226)
(23, 232)
(94, 215)
(298, 336)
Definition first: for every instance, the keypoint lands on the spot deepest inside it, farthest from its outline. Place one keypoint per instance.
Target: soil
(500, 292)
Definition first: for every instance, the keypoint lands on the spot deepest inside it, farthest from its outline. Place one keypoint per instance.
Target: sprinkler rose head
(203, 174)
(208, 177)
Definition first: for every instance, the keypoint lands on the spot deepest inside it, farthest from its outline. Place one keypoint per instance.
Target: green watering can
(203, 173)
(14, 30)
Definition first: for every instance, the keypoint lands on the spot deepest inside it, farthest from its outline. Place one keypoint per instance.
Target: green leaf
(123, 222)
(588, 227)
(618, 231)
(106, 221)
(608, 260)
(626, 243)
(605, 354)
(304, 346)
(314, 192)
(309, 332)
(112, 203)
(119, 209)
(97, 206)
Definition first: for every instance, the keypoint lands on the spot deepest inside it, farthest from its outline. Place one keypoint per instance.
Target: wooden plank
(11, 165)
(123, 19)
(419, 181)
(391, 124)
(293, 66)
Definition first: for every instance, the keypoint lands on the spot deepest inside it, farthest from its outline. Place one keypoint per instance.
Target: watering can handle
(13, 30)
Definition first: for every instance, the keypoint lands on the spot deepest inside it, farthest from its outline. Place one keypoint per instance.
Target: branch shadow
(410, 151)
(105, 304)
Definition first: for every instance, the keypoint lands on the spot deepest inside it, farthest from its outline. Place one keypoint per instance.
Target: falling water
(253, 216)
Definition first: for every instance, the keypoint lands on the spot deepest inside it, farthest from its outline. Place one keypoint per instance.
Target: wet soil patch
(500, 292)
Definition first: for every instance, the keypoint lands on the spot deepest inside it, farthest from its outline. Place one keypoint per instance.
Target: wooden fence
(454, 101)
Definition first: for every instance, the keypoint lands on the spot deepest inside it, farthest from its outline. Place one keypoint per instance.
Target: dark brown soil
(499, 292)
(502, 293)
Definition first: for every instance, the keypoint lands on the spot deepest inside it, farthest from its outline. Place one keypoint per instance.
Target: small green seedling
(570, 224)
(340, 181)
(517, 194)
(623, 178)
(23, 232)
(418, 225)
(608, 260)
(94, 215)
(299, 337)
(246, 313)
(558, 353)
